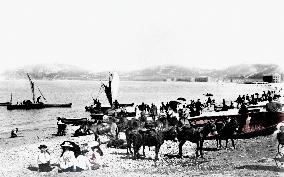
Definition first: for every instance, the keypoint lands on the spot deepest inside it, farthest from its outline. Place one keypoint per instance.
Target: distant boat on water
(111, 92)
(35, 104)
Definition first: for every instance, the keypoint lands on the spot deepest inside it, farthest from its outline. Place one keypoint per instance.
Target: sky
(130, 34)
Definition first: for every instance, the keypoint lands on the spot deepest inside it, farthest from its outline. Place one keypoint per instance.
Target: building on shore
(202, 79)
(272, 78)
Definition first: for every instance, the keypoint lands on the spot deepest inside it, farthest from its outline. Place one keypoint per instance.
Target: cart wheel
(279, 160)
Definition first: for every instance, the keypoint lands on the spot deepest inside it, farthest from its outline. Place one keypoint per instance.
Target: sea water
(80, 94)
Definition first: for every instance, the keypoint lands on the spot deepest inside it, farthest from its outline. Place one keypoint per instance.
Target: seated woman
(83, 162)
(67, 161)
(43, 159)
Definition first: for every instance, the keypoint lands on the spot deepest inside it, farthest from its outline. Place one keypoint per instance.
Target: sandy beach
(253, 157)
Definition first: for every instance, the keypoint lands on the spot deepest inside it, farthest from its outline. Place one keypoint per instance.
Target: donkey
(226, 131)
(152, 137)
(194, 134)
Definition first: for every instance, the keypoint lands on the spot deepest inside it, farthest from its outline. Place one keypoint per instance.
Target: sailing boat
(111, 91)
(34, 104)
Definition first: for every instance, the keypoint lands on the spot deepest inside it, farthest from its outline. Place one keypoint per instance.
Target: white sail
(114, 86)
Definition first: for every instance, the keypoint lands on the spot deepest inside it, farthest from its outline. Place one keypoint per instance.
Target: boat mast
(32, 87)
(11, 98)
(108, 90)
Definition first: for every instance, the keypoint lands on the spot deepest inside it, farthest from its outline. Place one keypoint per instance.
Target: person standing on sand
(243, 111)
(43, 159)
(279, 136)
(198, 107)
(60, 127)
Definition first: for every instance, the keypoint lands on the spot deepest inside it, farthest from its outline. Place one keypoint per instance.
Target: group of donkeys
(148, 133)
(140, 134)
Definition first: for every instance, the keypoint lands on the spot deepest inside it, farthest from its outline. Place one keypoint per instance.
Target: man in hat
(43, 159)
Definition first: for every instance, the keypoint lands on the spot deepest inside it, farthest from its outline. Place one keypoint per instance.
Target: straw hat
(42, 146)
(66, 144)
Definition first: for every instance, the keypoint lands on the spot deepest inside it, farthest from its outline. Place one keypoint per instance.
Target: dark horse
(194, 134)
(148, 134)
(152, 137)
(132, 126)
(227, 129)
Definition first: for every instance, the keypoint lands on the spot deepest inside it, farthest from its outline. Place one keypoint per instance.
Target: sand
(252, 157)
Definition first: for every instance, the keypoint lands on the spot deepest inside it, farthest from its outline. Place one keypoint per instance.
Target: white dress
(83, 162)
(67, 160)
(43, 158)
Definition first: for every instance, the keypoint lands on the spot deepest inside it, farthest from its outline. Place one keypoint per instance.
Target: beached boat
(78, 121)
(255, 123)
(27, 104)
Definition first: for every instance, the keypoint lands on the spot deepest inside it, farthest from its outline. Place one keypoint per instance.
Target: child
(95, 155)
(83, 162)
(43, 159)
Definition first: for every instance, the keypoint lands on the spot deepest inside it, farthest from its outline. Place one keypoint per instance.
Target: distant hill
(155, 73)
(252, 71)
(164, 72)
(48, 71)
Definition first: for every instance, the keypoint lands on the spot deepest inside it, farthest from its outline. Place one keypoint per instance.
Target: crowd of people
(195, 108)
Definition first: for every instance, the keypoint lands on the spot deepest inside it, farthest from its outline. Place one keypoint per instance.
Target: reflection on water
(80, 94)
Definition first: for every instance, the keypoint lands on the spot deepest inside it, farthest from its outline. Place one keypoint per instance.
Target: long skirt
(44, 167)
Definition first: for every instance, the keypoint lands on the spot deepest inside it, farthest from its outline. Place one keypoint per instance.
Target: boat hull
(74, 121)
(252, 124)
(38, 106)
(5, 104)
